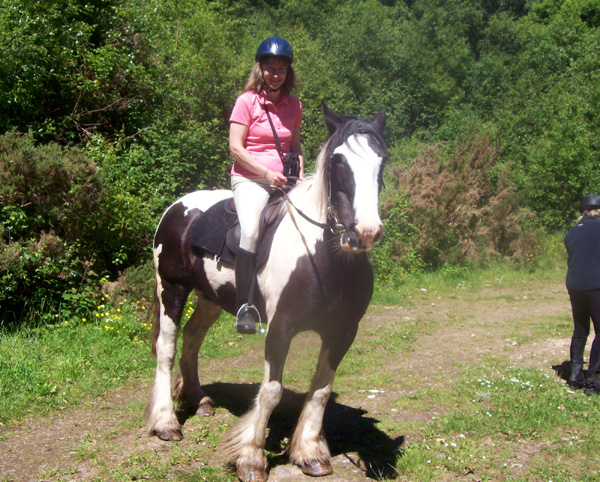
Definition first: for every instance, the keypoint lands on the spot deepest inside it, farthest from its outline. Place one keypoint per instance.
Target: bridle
(332, 223)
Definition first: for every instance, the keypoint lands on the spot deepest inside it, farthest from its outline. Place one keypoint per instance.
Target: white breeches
(251, 196)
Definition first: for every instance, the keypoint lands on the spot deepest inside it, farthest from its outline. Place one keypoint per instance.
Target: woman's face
(274, 72)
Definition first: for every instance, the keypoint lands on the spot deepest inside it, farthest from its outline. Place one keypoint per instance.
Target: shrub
(47, 195)
(464, 210)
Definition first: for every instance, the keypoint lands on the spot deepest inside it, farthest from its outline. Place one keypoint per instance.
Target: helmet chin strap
(265, 87)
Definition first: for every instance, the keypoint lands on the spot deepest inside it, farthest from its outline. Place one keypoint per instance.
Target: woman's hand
(275, 178)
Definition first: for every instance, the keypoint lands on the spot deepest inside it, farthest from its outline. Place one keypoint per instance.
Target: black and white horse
(315, 276)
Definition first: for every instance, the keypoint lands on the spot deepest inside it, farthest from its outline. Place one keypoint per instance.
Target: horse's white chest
(289, 245)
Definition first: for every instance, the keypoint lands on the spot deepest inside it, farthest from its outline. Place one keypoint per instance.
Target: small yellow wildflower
(83, 319)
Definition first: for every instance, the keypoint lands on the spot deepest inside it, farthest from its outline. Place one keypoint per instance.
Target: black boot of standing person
(576, 378)
(247, 315)
(592, 383)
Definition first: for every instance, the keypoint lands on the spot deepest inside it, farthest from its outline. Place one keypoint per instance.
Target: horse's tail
(155, 320)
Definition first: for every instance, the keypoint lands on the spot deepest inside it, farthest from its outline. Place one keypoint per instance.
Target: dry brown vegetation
(464, 209)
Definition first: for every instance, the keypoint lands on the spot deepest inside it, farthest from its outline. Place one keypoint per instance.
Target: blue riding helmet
(274, 46)
(589, 202)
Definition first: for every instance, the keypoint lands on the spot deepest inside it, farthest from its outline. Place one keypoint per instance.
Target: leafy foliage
(145, 88)
(47, 196)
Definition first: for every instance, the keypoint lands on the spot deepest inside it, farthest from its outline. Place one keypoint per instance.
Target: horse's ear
(331, 120)
(379, 121)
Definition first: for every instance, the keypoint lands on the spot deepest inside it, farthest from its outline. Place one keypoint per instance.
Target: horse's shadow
(347, 430)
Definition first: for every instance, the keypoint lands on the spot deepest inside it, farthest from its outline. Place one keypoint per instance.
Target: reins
(332, 223)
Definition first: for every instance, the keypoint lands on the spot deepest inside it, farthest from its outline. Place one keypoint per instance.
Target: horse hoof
(205, 410)
(248, 474)
(169, 435)
(314, 468)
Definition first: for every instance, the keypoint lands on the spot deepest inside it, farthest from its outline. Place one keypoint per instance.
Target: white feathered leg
(244, 444)
(308, 447)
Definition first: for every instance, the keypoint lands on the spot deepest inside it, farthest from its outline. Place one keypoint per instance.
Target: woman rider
(258, 167)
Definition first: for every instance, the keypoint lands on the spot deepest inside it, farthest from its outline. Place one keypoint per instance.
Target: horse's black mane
(350, 126)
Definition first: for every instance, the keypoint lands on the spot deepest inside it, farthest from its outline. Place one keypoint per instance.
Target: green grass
(56, 366)
(504, 412)
(482, 422)
(60, 365)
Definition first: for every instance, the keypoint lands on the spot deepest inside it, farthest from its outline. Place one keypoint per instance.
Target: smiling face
(275, 71)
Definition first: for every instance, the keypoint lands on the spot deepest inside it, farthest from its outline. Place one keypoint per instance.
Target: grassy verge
(53, 366)
(495, 419)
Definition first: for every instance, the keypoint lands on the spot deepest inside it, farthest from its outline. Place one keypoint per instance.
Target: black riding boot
(247, 315)
(576, 379)
(592, 385)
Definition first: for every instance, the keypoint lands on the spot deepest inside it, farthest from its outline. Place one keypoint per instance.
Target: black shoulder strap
(274, 132)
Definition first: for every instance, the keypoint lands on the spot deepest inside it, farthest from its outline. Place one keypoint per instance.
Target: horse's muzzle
(361, 238)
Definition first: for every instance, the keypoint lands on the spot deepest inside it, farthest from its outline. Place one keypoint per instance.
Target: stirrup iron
(245, 308)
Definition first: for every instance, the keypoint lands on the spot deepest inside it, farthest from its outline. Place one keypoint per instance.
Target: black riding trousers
(585, 306)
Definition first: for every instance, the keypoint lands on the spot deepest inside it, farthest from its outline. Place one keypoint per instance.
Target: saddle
(217, 230)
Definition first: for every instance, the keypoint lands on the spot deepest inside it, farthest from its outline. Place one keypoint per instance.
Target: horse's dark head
(354, 159)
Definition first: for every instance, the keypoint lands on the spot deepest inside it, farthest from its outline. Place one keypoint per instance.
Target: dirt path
(86, 443)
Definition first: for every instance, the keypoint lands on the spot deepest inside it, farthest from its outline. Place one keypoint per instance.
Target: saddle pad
(209, 231)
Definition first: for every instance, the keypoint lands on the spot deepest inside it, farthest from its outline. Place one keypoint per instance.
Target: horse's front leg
(244, 444)
(308, 447)
(160, 413)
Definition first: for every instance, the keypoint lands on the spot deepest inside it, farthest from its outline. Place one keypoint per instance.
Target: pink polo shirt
(260, 142)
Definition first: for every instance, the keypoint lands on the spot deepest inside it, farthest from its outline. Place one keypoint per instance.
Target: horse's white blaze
(365, 165)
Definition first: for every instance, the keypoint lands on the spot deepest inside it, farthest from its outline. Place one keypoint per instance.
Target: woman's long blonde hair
(255, 80)
(592, 213)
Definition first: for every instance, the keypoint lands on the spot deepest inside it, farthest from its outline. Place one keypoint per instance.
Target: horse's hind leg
(160, 413)
(308, 447)
(187, 384)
